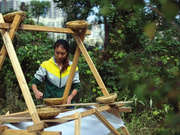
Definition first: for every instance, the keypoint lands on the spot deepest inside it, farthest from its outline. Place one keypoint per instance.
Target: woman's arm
(38, 94)
(70, 97)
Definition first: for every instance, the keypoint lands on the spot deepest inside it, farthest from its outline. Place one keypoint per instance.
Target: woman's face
(60, 54)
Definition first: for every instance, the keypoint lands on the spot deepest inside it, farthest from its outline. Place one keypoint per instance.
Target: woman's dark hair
(65, 45)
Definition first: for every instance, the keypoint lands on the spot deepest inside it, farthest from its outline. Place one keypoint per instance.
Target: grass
(148, 124)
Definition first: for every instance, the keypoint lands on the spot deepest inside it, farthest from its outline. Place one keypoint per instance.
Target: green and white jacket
(55, 81)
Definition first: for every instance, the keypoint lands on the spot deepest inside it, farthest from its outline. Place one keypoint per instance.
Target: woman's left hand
(69, 99)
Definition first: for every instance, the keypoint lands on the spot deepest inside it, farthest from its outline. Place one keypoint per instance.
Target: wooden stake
(12, 32)
(91, 65)
(19, 74)
(73, 68)
(125, 131)
(77, 128)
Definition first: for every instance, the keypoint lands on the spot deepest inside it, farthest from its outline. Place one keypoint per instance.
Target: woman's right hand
(38, 95)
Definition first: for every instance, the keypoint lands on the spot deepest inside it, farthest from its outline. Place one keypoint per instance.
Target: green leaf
(119, 31)
(35, 47)
(120, 54)
(26, 48)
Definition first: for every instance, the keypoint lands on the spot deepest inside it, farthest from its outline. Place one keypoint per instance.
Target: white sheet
(90, 125)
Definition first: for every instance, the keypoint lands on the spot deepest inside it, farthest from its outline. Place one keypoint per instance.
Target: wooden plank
(25, 132)
(83, 114)
(19, 114)
(73, 68)
(19, 74)
(91, 65)
(91, 111)
(124, 109)
(60, 120)
(16, 119)
(77, 128)
(26, 27)
(125, 131)
(12, 32)
(36, 127)
(1, 122)
(106, 123)
(89, 104)
(2, 127)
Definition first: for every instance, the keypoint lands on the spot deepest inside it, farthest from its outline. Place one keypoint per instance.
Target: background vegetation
(140, 61)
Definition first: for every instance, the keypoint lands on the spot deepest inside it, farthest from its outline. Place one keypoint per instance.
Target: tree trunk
(38, 20)
(106, 32)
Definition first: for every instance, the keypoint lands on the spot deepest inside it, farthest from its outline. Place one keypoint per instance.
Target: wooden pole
(106, 123)
(12, 31)
(73, 68)
(91, 65)
(77, 127)
(19, 74)
(26, 27)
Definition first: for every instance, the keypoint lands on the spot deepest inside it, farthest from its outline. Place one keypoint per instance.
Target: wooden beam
(25, 132)
(2, 127)
(73, 68)
(89, 104)
(124, 109)
(125, 131)
(19, 74)
(36, 127)
(19, 114)
(59, 120)
(77, 128)
(16, 119)
(91, 65)
(1, 122)
(6, 26)
(106, 123)
(12, 32)
(90, 112)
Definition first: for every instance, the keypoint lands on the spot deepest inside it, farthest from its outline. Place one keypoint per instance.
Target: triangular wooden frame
(32, 113)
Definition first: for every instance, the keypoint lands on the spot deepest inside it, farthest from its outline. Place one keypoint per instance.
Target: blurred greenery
(140, 62)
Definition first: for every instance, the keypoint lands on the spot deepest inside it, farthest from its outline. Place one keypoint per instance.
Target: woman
(54, 73)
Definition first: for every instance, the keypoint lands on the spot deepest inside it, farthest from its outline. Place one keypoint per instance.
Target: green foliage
(31, 48)
(39, 8)
(141, 66)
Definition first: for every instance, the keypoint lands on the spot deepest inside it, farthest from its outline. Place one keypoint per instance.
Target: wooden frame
(32, 114)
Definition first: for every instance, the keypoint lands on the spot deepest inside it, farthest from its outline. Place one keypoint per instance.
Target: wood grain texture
(91, 65)
(12, 31)
(19, 74)
(26, 27)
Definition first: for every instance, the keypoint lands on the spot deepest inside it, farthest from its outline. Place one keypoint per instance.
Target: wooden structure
(8, 31)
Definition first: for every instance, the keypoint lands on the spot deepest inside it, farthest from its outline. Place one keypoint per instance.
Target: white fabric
(90, 125)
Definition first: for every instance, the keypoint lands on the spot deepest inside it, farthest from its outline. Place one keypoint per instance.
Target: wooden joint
(2, 127)
(36, 127)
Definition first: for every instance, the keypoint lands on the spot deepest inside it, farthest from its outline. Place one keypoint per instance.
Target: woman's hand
(38, 94)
